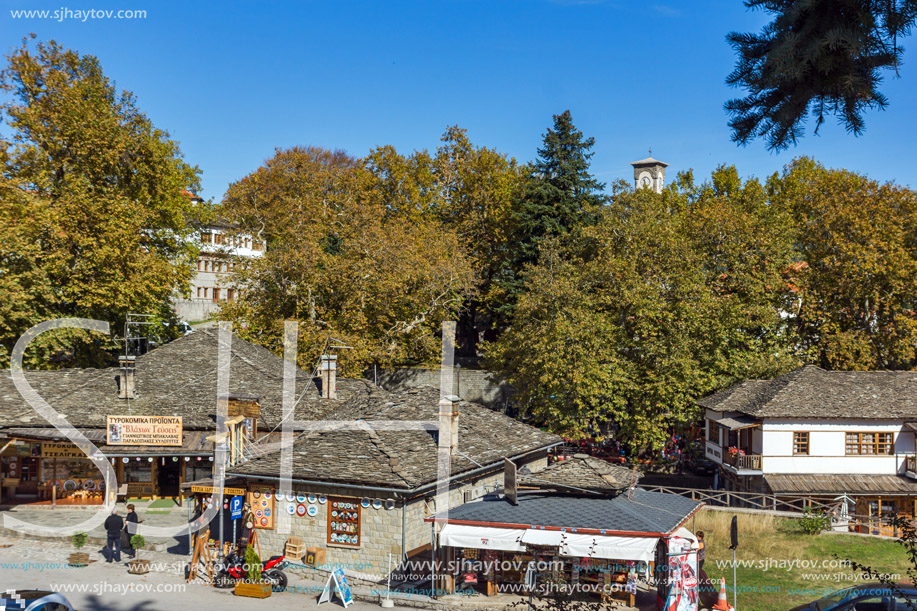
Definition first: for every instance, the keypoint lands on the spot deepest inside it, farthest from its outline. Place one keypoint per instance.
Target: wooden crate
(315, 556)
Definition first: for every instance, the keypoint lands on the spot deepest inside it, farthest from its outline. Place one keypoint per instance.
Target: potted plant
(78, 559)
(138, 566)
(252, 585)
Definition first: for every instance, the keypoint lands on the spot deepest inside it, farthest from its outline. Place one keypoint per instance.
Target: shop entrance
(169, 478)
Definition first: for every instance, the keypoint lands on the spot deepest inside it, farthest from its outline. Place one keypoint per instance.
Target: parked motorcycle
(232, 569)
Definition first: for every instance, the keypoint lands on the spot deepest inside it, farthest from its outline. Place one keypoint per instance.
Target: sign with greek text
(144, 430)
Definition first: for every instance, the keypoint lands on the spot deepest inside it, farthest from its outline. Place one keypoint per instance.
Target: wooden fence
(841, 509)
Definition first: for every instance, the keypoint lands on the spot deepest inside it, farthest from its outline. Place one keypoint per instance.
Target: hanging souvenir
(300, 510)
(312, 498)
(291, 508)
(364, 502)
(377, 503)
(322, 499)
(312, 510)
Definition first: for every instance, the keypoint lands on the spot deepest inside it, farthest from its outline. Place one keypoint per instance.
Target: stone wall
(470, 384)
(196, 310)
(380, 529)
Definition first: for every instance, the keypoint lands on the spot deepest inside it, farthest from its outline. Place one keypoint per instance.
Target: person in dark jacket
(130, 529)
(114, 524)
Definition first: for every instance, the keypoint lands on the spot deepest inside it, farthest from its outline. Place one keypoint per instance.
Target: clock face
(645, 181)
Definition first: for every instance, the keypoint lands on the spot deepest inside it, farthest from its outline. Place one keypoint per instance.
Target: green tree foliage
(559, 195)
(349, 255)
(857, 280)
(92, 217)
(823, 56)
(666, 298)
(470, 191)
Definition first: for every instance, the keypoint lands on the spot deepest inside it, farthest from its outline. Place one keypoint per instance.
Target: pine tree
(559, 196)
(818, 56)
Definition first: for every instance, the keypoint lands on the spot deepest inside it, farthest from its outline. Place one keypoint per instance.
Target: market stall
(599, 547)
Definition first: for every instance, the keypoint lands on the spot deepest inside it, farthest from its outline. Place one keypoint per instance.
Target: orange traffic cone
(722, 603)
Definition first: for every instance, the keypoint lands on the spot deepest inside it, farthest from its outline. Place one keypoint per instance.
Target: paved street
(28, 564)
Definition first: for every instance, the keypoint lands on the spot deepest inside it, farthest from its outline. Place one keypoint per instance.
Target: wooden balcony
(747, 462)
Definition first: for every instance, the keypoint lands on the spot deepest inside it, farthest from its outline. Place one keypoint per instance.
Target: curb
(91, 540)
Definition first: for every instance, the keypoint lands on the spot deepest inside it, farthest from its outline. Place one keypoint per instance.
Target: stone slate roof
(584, 472)
(812, 392)
(401, 459)
(176, 379)
(802, 483)
(646, 512)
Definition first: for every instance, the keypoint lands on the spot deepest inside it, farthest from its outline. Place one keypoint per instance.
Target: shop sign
(61, 450)
(144, 430)
(212, 490)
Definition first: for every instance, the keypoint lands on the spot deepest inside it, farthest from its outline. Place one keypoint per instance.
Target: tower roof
(649, 161)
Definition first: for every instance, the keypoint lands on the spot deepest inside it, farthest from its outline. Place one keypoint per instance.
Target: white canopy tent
(638, 549)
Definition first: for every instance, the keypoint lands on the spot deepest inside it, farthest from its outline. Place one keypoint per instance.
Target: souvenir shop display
(344, 521)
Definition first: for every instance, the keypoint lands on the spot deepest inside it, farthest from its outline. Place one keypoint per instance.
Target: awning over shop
(570, 544)
(595, 546)
(482, 537)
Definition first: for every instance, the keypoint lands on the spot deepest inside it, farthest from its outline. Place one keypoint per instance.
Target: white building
(820, 433)
(212, 285)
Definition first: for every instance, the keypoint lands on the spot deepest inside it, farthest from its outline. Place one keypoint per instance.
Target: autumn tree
(469, 190)
(818, 57)
(856, 242)
(93, 219)
(665, 299)
(348, 259)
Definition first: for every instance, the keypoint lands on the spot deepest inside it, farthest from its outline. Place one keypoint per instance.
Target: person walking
(114, 524)
(701, 551)
(132, 520)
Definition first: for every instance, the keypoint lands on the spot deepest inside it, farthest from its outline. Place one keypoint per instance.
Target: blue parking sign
(235, 507)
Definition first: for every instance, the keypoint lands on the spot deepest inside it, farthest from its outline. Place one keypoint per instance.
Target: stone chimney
(126, 370)
(449, 416)
(329, 368)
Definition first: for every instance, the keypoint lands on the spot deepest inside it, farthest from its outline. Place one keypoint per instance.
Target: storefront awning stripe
(638, 549)
(612, 548)
(481, 537)
(594, 546)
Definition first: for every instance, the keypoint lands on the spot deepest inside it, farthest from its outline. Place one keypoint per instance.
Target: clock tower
(649, 173)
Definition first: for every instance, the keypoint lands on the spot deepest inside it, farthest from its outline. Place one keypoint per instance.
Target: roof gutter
(578, 531)
(496, 465)
(401, 492)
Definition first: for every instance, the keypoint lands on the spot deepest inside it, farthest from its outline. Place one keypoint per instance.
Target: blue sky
(233, 80)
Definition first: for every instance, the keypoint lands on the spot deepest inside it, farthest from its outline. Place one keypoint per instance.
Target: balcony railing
(751, 462)
(910, 464)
